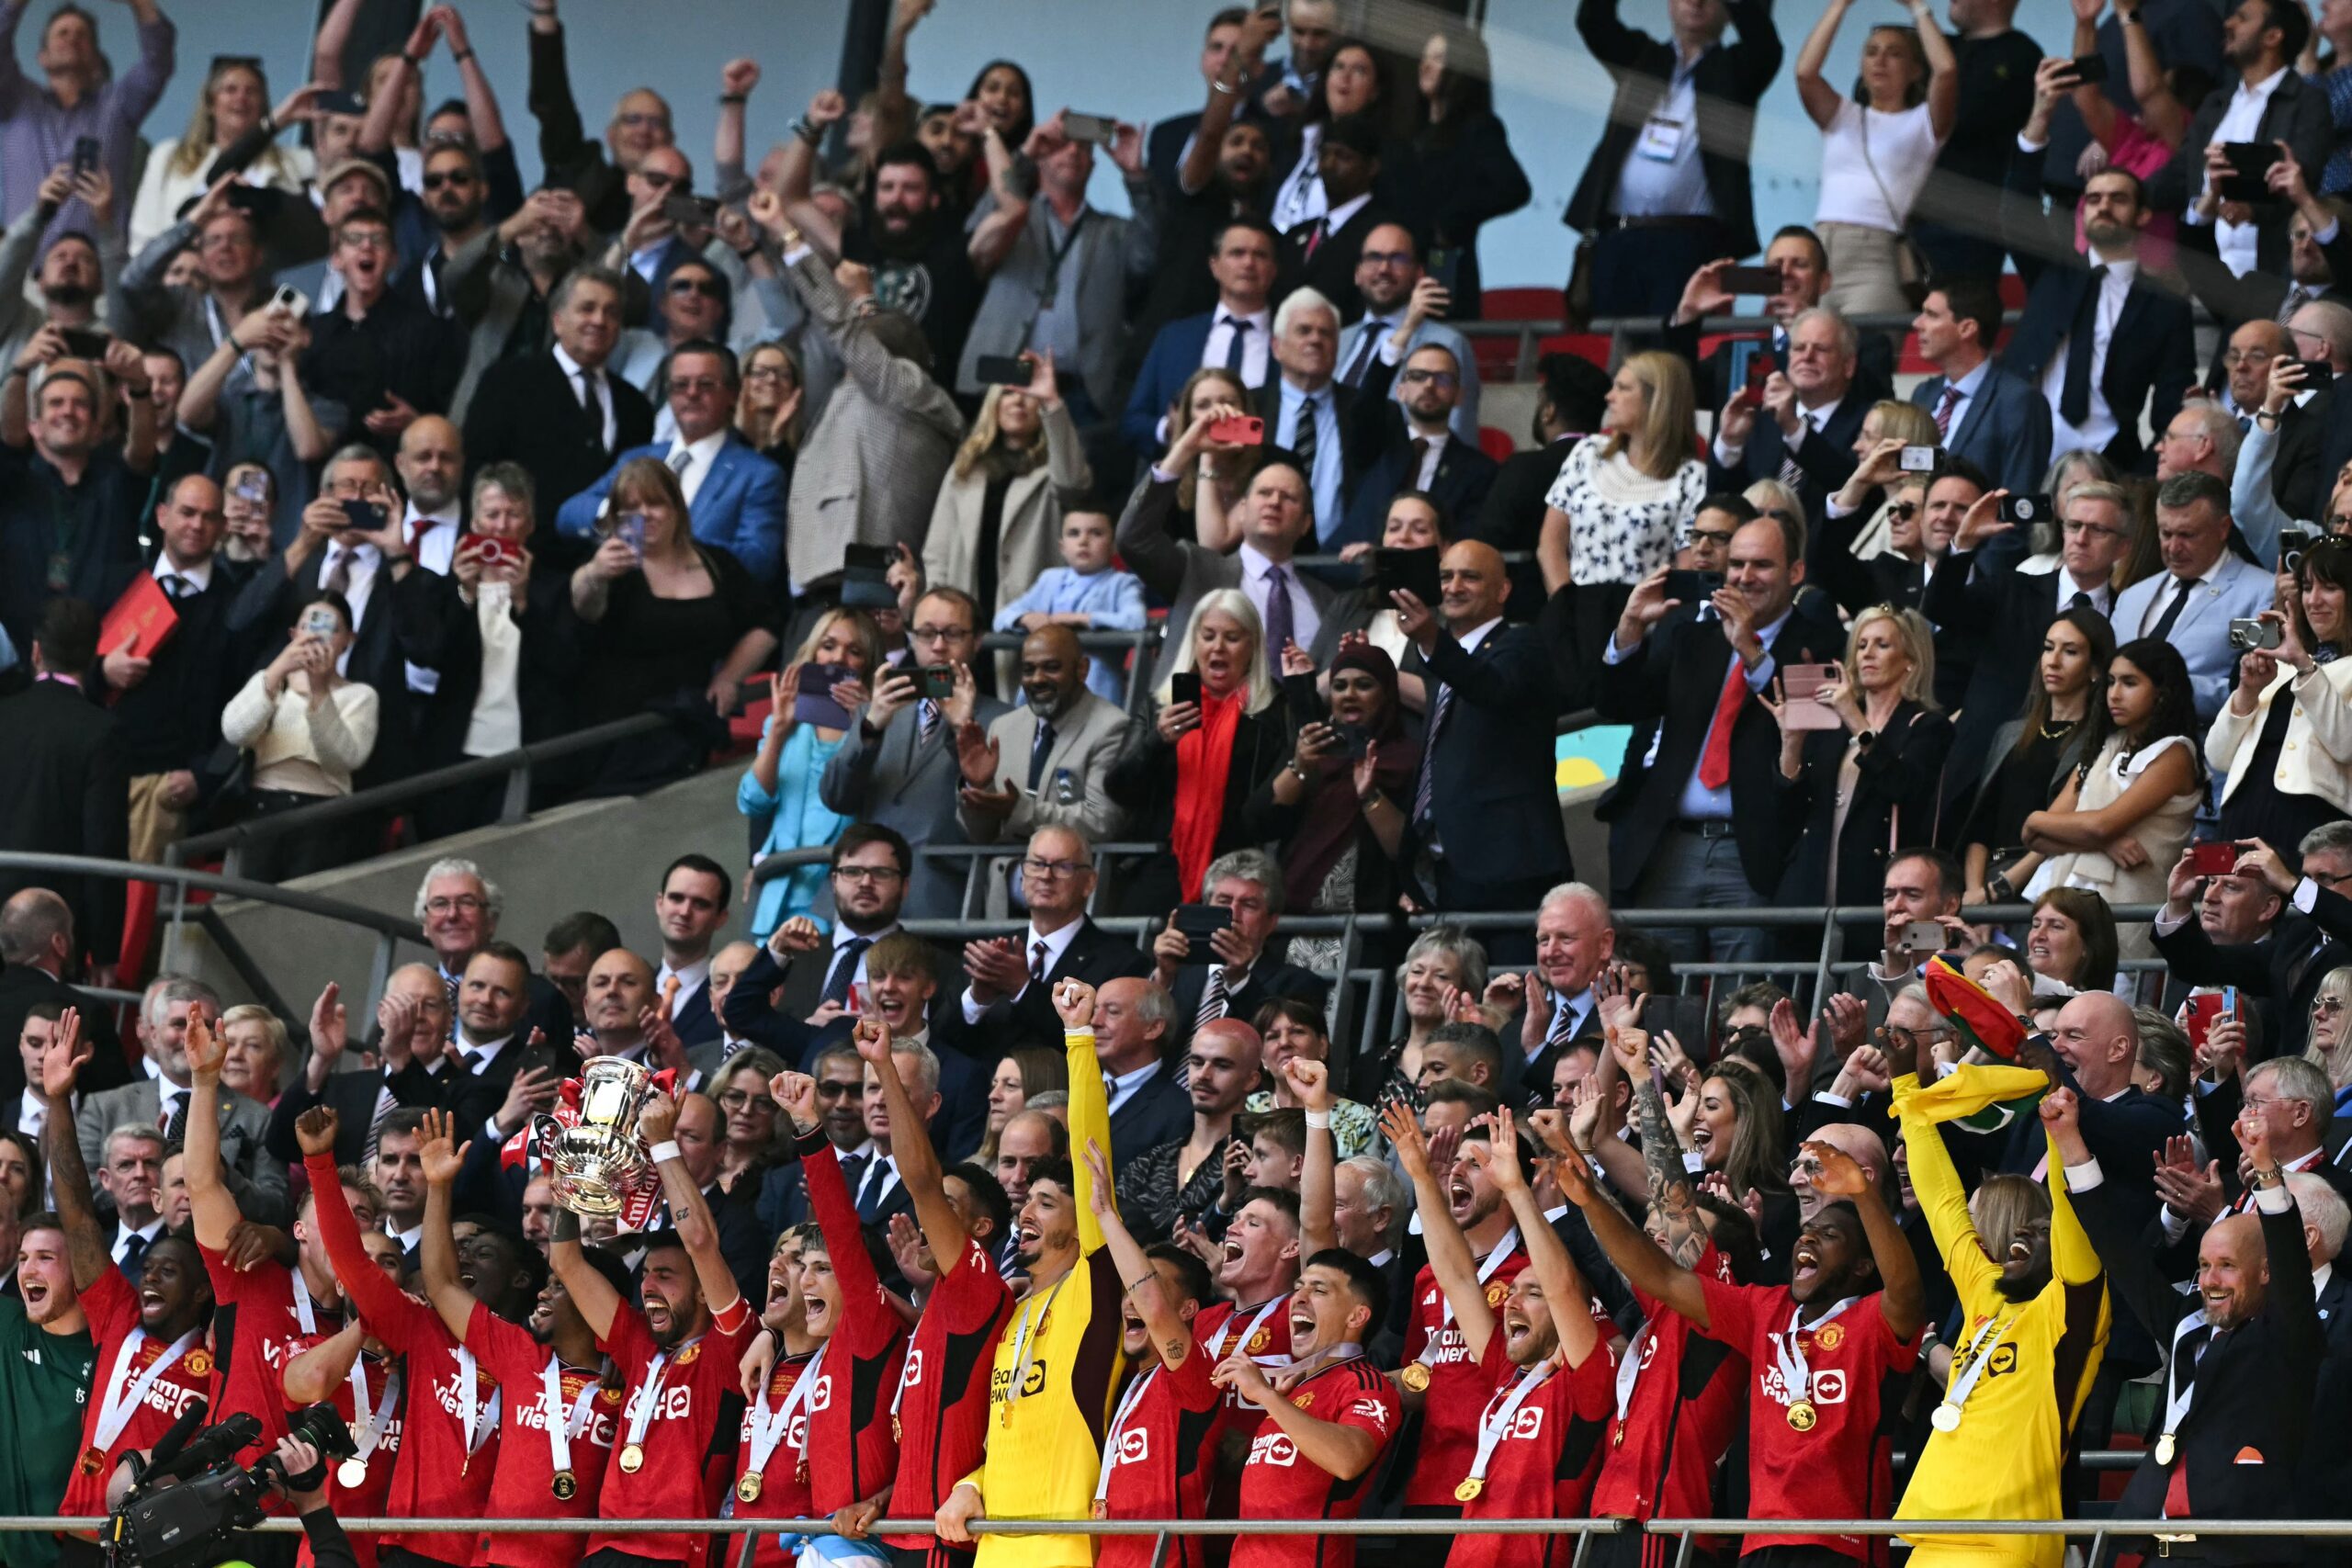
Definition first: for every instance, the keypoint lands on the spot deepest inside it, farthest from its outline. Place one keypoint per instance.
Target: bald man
(619, 994)
(1041, 764)
(1481, 824)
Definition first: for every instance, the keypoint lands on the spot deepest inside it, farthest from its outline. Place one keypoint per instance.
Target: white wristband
(667, 1149)
(1319, 1119)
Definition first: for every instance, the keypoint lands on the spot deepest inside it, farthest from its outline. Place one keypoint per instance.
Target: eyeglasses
(697, 384)
(1384, 258)
(464, 902)
(1443, 380)
(708, 287)
(767, 373)
(657, 180)
(938, 633)
(868, 873)
(2073, 529)
(2248, 356)
(739, 1100)
(1721, 540)
(449, 177)
(367, 240)
(1055, 867)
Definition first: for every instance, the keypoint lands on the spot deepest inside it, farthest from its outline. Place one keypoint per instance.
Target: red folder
(143, 616)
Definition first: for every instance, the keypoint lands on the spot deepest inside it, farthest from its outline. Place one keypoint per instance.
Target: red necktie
(1714, 763)
(417, 529)
(2176, 1490)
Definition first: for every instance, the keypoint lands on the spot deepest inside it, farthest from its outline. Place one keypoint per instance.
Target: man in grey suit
(899, 770)
(255, 1180)
(1277, 512)
(1042, 765)
(2203, 587)
(1997, 421)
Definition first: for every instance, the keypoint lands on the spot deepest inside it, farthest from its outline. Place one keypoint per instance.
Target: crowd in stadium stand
(1995, 577)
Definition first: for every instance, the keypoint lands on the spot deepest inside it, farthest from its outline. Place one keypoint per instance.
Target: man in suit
(1421, 453)
(1484, 826)
(1321, 253)
(1277, 511)
(2292, 419)
(63, 784)
(501, 281)
(1388, 274)
(2311, 935)
(649, 245)
(2266, 102)
(1044, 763)
(737, 496)
(410, 1043)
(899, 768)
(1815, 410)
(1236, 976)
(1797, 254)
(2246, 1348)
(402, 616)
(1994, 609)
(2203, 587)
(1009, 998)
(561, 415)
(2103, 342)
(1337, 432)
(1998, 420)
(1164, 148)
(459, 908)
(871, 865)
(1238, 335)
(1668, 188)
(1690, 822)
(255, 1178)
(502, 1068)
(690, 911)
(36, 950)
(1134, 1021)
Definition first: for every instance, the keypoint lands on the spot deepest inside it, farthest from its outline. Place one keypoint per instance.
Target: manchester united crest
(198, 1363)
(1830, 1335)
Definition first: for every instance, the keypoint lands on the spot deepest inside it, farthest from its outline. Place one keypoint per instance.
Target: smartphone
(2198, 1014)
(2250, 162)
(2255, 633)
(1806, 710)
(1184, 686)
(694, 212)
(1100, 128)
(290, 299)
(1415, 572)
(321, 621)
(1359, 740)
(814, 704)
(86, 153)
(1760, 368)
(83, 343)
(334, 100)
(2230, 1000)
(936, 682)
(364, 515)
(1920, 459)
(1003, 370)
(2317, 374)
(630, 531)
(2217, 857)
(253, 486)
(2026, 509)
(1692, 587)
(1758, 280)
(1240, 430)
(1923, 936)
(865, 578)
(2091, 69)
(1445, 263)
(1199, 923)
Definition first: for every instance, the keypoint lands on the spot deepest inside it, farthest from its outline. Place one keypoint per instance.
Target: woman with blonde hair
(234, 97)
(2331, 1039)
(781, 786)
(1887, 428)
(1869, 783)
(996, 522)
(772, 413)
(1623, 502)
(1186, 777)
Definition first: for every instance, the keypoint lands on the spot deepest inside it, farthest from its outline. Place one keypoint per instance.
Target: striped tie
(1213, 1000)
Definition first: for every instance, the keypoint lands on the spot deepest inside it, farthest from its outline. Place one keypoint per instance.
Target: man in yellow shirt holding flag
(1057, 1362)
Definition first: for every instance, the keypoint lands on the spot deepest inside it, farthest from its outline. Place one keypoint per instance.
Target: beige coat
(2317, 750)
(1029, 540)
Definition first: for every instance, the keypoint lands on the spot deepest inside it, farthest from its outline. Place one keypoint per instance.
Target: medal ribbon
(124, 1392)
(649, 1396)
(1119, 1420)
(1796, 1373)
(1629, 1367)
(1956, 1394)
(479, 1423)
(562, 1425)
(1495, 1424)
(2181, 1384)
(365, 1438)
(1498, 1255)
(767, 1431)
(1029, 1320)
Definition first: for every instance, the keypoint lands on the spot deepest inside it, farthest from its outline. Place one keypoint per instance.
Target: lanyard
(1498, 1255)
(1118, 1422)
(366, 1439)
(1020, 1342)
(1495, 1425)
(1629, 1369)
(1052, 289)
(1956, 1393)
(564, 1424)
(640, 1409)
(124, 1392)
(767, 1431)
(1796, 1373)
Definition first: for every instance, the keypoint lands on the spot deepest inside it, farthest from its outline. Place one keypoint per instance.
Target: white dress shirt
(703, 451)
(124, 1231)
(1662, 176)
(1256, 581)
(197, 576)
(2238, 244)
(1256, 344)
(2098, 425)
(572, 369)
(1122, 1087)
(359, 590)
(436, 550)
(691, 978)
(1057, 943)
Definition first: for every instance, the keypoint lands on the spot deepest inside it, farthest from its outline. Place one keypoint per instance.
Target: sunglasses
(448, 177)
(707, 287)
(1903, 511)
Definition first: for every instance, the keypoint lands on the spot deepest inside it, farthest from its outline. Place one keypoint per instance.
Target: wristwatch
(1997, 885)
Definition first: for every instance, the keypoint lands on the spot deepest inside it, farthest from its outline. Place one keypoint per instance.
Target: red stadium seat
(1496, 444)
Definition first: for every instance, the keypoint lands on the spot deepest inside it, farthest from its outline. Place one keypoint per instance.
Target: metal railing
(1623, 330)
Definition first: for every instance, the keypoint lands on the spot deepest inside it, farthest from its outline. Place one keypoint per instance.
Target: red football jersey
(257, 1325)
(1688, 1397)
(783, 1479)
(942, 1419)
(448, 1448)
(1264, 1330)
(112, 1307)
(1457, 1389)
(697, 1417)
(1157, 1459)
(522, 1482)
(1542, 1464)
(853, 1453)
(1841, 1467)
(1279, 1483)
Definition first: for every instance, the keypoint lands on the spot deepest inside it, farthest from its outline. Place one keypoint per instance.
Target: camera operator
(302, 1480)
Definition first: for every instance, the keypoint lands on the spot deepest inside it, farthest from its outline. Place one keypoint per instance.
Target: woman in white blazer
(2283, 741)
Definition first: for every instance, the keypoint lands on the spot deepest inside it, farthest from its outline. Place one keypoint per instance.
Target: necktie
(134, 1247)
(1279, 623)
(1425, 788)
(2245, 423)
(846, 962)
(472, 1059)
(418, 528)
(2081, 600)
(336, 579)
(1563, 1026)
(2082, 340)
(679, 461)
(175, 1119)
(175, 585)
(2163, 628)
(926, 721)
(1315, 237)
(670, 989)
(1038, 961)
(1303, 439)
(1235, 343)
(1422, 446)
(2297, 298)
(592, 399)
(1944, 405)
(1714, 762)
(1213, 998)
(1374, 330)
(1792, 471)
(873, 1187)
(1041, 746)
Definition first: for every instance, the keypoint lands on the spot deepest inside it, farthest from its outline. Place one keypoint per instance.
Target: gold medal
(351, 1473)
(1102, 1509)
(1803, 1416)
(633, 1457)
(94, 1461)
(1469, 1489)
(1416, 1376)
(1617, 1437)
(748, 1489)
(565, 1485)
(894, 1427)
(2166, 1448)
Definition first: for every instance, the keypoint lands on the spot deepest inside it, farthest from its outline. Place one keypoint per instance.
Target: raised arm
(1936, 1181)
(688, 1212)
(1090, 1103)
(1565, 1291)
(85, 1243)
(1645, 1267)
(211, 1205)
(1943, 71)
(387, 1309)
(442, 1159)
(1171, 1339)
(1241, 67)
(327, 47)
(1665, 1176)
(599, 1304)
(481, 99)
(1450, 1258)
(911, 1146)
(1821, 101)
(1318, 1172)
(1903, 1299)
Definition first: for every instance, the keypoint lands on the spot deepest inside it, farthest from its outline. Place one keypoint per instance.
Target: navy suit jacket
(1159, 1113)
(1268, 978)
(1465, 474)
(1175, 354)
(739, 507)
(695, 1023)
(1494, 803)
(2005, 429)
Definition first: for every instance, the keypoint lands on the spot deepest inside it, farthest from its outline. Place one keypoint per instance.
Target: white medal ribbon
(767, 1431)
(1225, 1329)
(1498, 1255)
(304, 1313)
(1956, 1394)
(564, 1424)
(1493, 1424)
(1119, 1420)
(479, 1423)
(1629, 1367)
(648, 1395)
(1796, 1373)
(1029, 1320)
(365, 1439)
(125, 1392)
(2180, 1382)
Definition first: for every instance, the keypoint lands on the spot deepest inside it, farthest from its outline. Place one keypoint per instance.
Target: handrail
(1622, 331)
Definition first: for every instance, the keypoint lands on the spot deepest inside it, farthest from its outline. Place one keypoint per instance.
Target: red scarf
(1203, 759)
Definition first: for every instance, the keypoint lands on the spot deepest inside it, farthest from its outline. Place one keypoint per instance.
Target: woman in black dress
(2031, 758)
